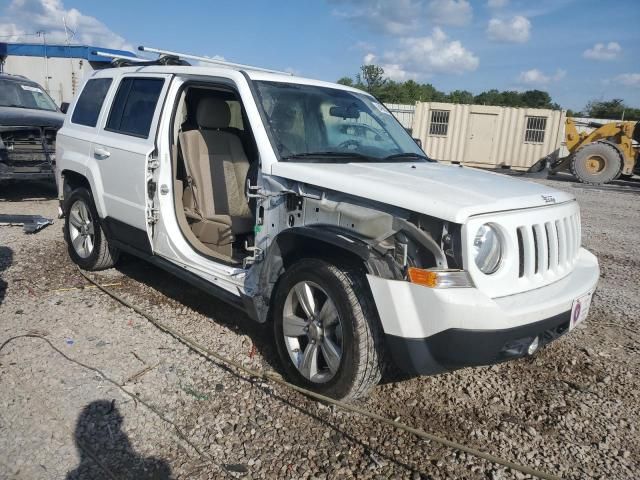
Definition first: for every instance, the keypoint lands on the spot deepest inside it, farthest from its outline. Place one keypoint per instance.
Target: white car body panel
(408, 310)
(443, 191)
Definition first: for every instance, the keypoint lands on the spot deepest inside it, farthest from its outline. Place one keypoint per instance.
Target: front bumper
(434, 330)
(18, 172)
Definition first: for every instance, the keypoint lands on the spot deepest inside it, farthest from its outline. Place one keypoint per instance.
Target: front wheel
(596, 163)
(327, 331)
(87, 245)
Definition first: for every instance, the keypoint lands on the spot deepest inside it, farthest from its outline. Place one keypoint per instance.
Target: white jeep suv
(309, 206)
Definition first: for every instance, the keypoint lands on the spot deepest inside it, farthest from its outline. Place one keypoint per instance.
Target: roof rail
(126, 61)
(214, 61)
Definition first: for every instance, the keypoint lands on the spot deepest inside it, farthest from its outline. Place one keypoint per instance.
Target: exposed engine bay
(27, 152)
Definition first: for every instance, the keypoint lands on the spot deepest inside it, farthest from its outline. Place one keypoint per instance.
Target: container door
(479, 145)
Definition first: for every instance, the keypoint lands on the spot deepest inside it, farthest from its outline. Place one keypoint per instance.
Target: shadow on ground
(105, 450)
(6, 259)
(17, 191)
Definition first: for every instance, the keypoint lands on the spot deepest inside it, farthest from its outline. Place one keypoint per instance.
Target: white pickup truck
(309, 206)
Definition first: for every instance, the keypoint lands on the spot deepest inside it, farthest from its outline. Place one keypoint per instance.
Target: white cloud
(535, 77)
(515, 30)
(394, 18)
(600, 51)
(497, 3)
(450, 12)
(403, 17)
(397, 72)
(628, 79)
(369, 58)
(423, 56)
(20, 19)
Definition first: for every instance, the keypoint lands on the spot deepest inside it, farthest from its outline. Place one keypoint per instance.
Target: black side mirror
(418, 141)
(64, 107)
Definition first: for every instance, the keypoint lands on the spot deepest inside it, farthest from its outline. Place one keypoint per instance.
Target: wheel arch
(329, 243)
(72, 179)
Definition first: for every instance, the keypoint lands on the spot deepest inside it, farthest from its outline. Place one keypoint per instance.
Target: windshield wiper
(406, 155)
(324, 155)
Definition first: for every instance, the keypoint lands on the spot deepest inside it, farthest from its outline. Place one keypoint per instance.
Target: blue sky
(577, 50)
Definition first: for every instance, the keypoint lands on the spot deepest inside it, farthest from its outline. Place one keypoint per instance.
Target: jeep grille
(551, 245)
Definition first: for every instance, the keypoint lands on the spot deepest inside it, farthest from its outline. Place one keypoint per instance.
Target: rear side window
(134, 105)
(90, 102)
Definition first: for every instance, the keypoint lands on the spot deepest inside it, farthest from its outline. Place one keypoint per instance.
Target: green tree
(372, 76)
(371, 79)
(536, 99)
(613, 109)
(490, 97)
(348, 81)
(606, 109)
(460, 96)
(429, 93)
(511, 98)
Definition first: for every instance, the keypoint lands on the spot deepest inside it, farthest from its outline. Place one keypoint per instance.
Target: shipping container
(488, 136)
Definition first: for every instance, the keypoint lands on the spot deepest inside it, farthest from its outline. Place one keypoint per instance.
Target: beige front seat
(216, 166)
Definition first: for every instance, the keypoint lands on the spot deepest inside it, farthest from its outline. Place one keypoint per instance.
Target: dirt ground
(571, 410)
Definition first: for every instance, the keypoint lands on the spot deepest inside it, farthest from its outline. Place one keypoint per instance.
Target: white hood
(448, 192)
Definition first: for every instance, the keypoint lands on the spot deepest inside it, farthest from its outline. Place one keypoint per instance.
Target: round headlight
(487, 249)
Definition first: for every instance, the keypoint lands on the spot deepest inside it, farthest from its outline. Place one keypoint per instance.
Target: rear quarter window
(134, 105)
(89, 104)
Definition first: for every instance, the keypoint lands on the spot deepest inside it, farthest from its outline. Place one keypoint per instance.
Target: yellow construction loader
(602, 155)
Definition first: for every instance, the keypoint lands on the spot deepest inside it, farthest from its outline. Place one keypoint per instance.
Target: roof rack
(126, 61)
(214, 61)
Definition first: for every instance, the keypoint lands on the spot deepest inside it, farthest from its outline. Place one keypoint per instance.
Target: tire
(87, 244)
(596, 163)
(357, 331)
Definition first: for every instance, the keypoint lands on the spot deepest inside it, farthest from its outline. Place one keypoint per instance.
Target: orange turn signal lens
(446, 278)
(422, 277)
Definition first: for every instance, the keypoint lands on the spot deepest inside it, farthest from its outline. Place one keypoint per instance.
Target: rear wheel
(596, 163)
(327, 331)
(87, 245)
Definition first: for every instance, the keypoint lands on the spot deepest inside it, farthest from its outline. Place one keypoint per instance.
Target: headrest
(213, 113)
(283, 116)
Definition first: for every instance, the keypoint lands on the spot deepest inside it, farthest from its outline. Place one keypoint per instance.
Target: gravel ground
(571, 410)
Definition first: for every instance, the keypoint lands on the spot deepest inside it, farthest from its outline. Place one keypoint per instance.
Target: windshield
(310, 122)
(24, 95)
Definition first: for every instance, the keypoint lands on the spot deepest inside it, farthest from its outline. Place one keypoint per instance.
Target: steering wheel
(350, 145)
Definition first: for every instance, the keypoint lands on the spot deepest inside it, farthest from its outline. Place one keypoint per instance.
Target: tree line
(371, 78)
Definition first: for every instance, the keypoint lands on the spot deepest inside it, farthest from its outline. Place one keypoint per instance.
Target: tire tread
(575, 172)
(107, 255)
(372, 356)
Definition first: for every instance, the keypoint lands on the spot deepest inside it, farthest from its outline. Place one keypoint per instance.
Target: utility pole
(46, 61)
(73, 73)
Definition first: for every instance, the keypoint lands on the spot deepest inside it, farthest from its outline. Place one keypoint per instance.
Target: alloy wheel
(81, 229)
(312, 332)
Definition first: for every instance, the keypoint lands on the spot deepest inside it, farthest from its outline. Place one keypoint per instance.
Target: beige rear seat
(214, 197)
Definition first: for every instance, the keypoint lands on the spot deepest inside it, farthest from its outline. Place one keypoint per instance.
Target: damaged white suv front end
(512, 278)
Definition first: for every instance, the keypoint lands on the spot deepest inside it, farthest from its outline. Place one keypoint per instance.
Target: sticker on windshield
(31, 89)
(381, 108)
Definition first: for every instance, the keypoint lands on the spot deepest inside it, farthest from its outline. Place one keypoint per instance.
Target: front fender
(309, 241)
